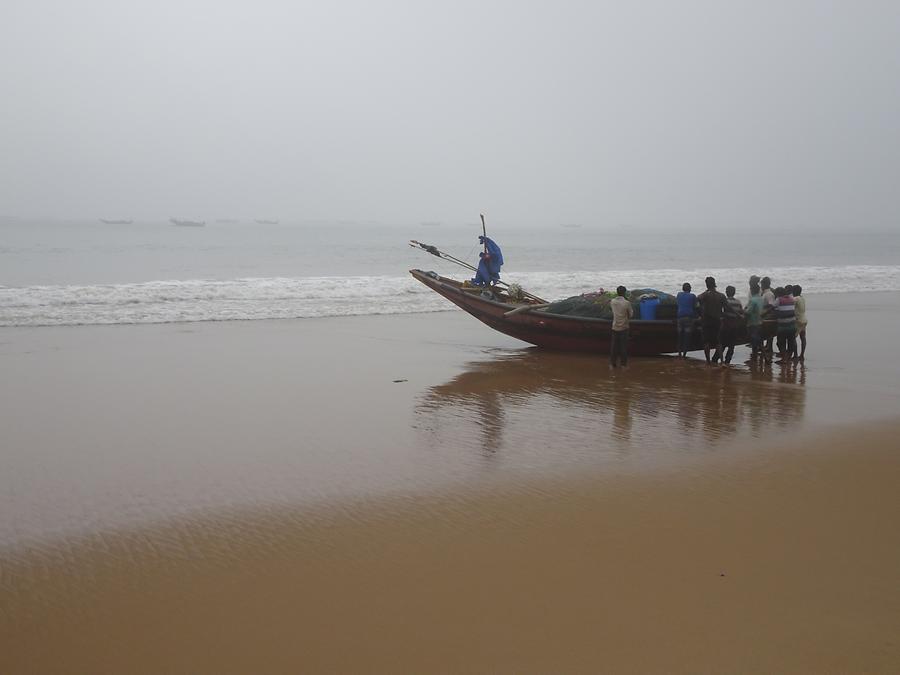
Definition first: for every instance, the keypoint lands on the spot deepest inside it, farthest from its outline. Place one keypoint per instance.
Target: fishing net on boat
(596, 305)
(588, 304)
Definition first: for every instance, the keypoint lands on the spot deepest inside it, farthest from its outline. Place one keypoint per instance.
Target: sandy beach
(420, 494)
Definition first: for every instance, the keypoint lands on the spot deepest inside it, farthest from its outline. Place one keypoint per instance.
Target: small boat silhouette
(187, 223)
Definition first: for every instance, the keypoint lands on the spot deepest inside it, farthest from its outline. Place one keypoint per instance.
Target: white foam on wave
(308, 297)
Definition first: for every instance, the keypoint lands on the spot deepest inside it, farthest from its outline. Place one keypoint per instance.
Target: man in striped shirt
(787, 324)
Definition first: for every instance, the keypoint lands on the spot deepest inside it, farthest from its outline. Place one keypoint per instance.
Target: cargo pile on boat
(596, 305)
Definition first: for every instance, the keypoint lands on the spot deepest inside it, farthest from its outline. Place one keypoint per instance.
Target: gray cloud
(656, 114)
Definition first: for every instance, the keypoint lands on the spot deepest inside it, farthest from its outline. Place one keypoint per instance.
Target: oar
(526, 308)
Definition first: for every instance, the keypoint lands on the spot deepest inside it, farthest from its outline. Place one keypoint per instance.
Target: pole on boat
(433, 250)
(484, 232)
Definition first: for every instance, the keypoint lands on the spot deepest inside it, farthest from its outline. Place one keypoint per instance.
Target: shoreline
(827, 297)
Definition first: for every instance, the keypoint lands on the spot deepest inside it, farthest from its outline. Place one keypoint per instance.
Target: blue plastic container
(648, 308)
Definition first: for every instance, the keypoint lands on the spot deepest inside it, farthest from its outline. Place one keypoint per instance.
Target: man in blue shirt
(687, 313)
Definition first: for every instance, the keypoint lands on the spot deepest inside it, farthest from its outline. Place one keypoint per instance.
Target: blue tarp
(489, 263)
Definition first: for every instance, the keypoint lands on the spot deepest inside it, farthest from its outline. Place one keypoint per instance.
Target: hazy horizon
(700, 115)
(430, 230)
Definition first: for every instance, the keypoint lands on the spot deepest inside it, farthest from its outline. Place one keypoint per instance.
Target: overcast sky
(657, 114)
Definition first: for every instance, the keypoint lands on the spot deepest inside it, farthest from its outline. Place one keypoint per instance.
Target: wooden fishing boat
(530, 322)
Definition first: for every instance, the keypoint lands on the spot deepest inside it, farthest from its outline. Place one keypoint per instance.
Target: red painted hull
(557, 331)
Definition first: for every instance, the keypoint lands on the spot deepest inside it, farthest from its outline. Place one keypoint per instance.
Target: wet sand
(786, 563)
(263, 497)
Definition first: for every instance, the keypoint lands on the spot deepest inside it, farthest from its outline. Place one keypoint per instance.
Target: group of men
(722, 316)
(721, 319)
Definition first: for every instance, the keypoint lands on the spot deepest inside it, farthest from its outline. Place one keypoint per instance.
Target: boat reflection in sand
(539, 408)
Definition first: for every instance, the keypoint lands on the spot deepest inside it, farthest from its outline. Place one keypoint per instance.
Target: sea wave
(308, 297)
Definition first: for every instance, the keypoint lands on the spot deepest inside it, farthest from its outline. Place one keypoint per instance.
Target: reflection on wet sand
(575, 401)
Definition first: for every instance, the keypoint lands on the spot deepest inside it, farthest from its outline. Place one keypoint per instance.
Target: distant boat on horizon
(187, 223)
(263, 221)
(116, 222)
(570, 225)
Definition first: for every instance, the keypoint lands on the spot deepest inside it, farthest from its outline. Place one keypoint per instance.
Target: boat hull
(556, 331)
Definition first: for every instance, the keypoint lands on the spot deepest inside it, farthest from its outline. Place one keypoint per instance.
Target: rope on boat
(433, 250)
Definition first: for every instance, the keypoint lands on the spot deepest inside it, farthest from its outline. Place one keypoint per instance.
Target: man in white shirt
(622, 312)
(768, 295)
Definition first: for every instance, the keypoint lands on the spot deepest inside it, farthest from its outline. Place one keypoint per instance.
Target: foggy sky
(665, 114)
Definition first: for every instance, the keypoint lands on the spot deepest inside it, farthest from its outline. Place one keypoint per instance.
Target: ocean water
(86, 273)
